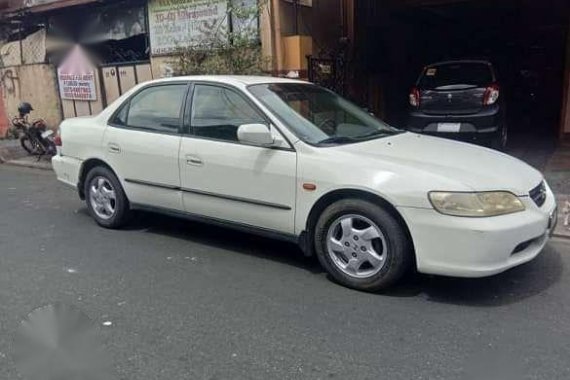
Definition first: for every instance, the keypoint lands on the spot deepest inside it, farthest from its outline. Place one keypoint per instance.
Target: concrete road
(189, 301)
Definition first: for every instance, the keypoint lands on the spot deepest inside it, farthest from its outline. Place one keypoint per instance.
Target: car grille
(538, 194)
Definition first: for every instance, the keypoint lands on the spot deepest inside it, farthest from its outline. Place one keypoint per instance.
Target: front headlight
(482, 204)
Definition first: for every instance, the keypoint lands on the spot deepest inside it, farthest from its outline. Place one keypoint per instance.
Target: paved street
(189, 301)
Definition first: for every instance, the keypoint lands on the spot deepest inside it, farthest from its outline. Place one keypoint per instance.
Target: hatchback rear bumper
(483, 126)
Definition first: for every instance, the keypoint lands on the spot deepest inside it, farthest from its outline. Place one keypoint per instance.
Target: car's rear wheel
(361, 245)
(105, 198)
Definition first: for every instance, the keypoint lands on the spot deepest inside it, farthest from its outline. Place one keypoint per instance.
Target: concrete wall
(36, 84)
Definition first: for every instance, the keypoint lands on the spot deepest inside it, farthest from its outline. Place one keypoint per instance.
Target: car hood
(477, 168)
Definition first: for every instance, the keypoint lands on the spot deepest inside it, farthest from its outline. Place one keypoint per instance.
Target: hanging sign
(76, 77)
(185, 23)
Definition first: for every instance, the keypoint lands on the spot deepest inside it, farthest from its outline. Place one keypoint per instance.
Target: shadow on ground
(507, 288)
(224, 238)
(510, 287)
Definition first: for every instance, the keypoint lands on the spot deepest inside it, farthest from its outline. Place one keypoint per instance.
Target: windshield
(467, 73)
(319, 116)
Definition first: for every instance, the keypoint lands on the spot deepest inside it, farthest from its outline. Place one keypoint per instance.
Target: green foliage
(223, 51)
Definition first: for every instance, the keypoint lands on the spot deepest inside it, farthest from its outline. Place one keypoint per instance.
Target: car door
(143, 143)
(228, 180)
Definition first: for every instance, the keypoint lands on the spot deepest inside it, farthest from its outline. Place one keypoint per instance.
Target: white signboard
(76, 77)
(178, 24)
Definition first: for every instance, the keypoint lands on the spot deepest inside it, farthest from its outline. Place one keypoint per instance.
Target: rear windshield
(470, 74)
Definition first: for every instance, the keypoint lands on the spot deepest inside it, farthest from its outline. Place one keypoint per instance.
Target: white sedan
(291, 160)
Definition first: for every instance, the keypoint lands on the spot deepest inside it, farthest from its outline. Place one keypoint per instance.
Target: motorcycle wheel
(31, 145)
(27, 144)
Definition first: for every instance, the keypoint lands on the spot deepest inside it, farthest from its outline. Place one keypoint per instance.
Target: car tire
(105, 198)
(369, 253)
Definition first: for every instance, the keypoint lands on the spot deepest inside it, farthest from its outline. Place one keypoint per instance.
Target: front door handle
(114, 148)
(194, 160)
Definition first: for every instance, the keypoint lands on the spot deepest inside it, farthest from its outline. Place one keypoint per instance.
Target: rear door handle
(194, 160)
(114, 148)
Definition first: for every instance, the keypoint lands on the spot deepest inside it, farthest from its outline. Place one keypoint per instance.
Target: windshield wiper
(348, 140)
(337, 140)
(378, 134)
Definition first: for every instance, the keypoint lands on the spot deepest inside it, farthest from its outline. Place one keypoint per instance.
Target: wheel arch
(336, 195)
(86, 166)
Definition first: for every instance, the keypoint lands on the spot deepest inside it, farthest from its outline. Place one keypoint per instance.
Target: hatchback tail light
(415, 97)
(491, 95)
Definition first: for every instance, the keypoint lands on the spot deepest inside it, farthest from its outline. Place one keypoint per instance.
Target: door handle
(114, 148)
(194, 160)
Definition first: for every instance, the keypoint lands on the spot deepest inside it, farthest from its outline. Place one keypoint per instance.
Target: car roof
(238, 80)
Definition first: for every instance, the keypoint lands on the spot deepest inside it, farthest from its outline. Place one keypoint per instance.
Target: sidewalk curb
(33, 165)
(11, 152)
(3, 155)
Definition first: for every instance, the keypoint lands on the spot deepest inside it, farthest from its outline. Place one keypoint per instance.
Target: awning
(37, 6)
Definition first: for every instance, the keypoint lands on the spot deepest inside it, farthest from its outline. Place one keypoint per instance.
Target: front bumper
(479, 247)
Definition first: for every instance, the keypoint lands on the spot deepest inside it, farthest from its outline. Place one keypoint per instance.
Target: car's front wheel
(105, 198)
(361, 245)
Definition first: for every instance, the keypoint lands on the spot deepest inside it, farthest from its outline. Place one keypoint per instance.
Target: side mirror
(255, 134)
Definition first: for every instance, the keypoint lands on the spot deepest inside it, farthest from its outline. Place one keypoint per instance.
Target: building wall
(36, 84)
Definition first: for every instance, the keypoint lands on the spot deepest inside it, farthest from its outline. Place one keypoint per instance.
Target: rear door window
(156, 108)
(468, 74)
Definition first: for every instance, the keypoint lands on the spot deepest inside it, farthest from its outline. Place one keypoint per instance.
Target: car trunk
(452, 100)
(454, 88)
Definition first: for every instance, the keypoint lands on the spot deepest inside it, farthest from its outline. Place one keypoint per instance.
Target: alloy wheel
(357, 246)
(102, 197)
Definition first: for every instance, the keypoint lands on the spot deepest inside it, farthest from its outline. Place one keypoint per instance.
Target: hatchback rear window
(470, 74)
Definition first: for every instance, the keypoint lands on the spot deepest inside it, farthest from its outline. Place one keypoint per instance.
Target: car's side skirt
(220, 222)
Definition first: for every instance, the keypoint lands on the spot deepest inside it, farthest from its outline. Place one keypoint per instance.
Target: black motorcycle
(35, 138)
